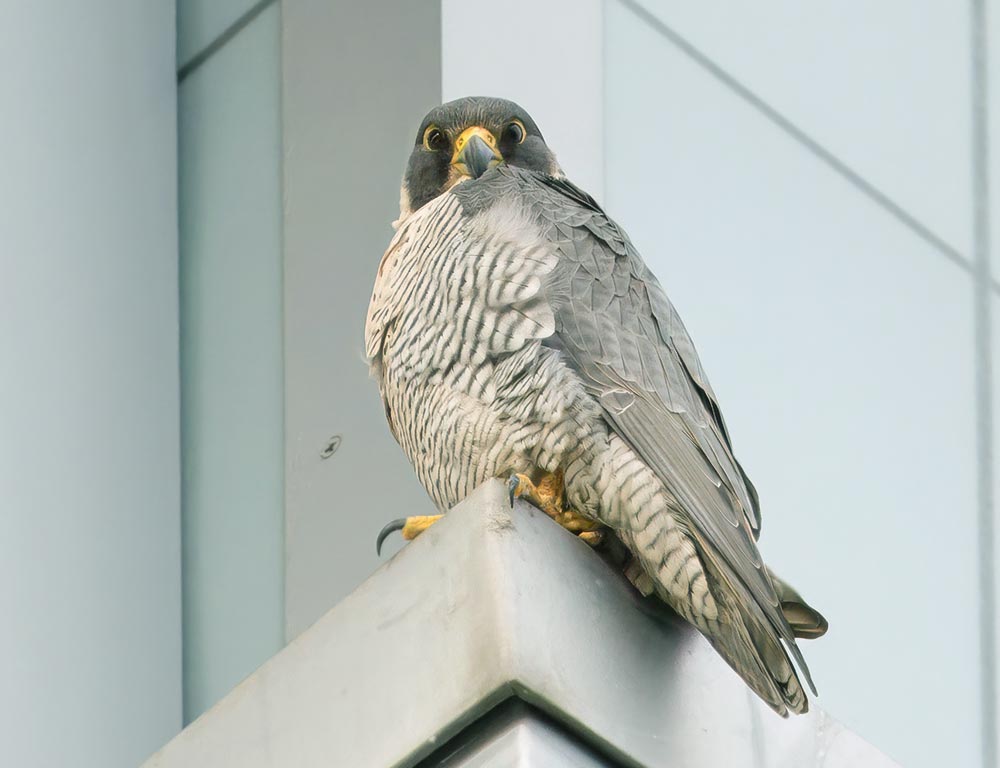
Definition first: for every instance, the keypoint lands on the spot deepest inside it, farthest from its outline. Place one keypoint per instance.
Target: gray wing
(626, 340)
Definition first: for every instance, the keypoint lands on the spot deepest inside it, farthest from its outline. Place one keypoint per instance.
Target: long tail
(752, 647)
(726, 613)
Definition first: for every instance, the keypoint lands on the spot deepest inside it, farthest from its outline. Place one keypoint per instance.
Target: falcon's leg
(410, 527)
(549, 496)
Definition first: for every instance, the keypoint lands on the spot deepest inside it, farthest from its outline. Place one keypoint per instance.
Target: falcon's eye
(434, 139)
(515, 132)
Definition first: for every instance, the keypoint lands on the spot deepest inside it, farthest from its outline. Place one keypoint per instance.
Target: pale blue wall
(89, 447)
(358, 78)
(840, 341)
(231, 350)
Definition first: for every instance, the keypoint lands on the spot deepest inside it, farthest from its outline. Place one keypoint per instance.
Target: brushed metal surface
(490, 603)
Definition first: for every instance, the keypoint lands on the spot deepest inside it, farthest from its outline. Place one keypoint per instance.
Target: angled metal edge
(494, 602)
(515, 733)
(406, 660)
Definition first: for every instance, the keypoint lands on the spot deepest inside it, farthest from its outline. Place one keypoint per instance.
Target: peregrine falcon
(515, 332)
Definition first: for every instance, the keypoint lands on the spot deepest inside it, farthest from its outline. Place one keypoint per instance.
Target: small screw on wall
(331, 447)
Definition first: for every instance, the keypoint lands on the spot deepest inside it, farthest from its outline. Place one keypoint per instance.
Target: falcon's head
(462, 140)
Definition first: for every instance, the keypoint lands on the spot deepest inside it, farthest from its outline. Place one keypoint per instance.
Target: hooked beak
(475, 152)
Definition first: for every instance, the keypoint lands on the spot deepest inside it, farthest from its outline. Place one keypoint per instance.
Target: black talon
(390, 527)
(512, 483)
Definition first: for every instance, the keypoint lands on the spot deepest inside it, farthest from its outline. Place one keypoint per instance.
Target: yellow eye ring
(516, 131)
(434, 139)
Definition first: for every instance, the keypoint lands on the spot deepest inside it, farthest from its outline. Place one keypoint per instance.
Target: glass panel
(840, 346)
(347, 141)
(231, 362)
(885, 86)
(89, 408)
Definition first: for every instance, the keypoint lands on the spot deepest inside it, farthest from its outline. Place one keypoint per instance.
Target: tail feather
(759, 647)
(744, 638)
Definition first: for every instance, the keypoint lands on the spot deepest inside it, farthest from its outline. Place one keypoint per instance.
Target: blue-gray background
(810, 182)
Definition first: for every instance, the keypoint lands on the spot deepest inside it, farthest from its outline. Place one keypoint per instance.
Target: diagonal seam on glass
(879, 197)
(224, 37)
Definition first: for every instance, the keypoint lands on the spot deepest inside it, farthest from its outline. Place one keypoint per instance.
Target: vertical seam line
(605, 184)
(982, 301)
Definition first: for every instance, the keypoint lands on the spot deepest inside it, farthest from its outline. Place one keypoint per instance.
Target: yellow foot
(593, 538)
(410, 527)
(547, 494)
